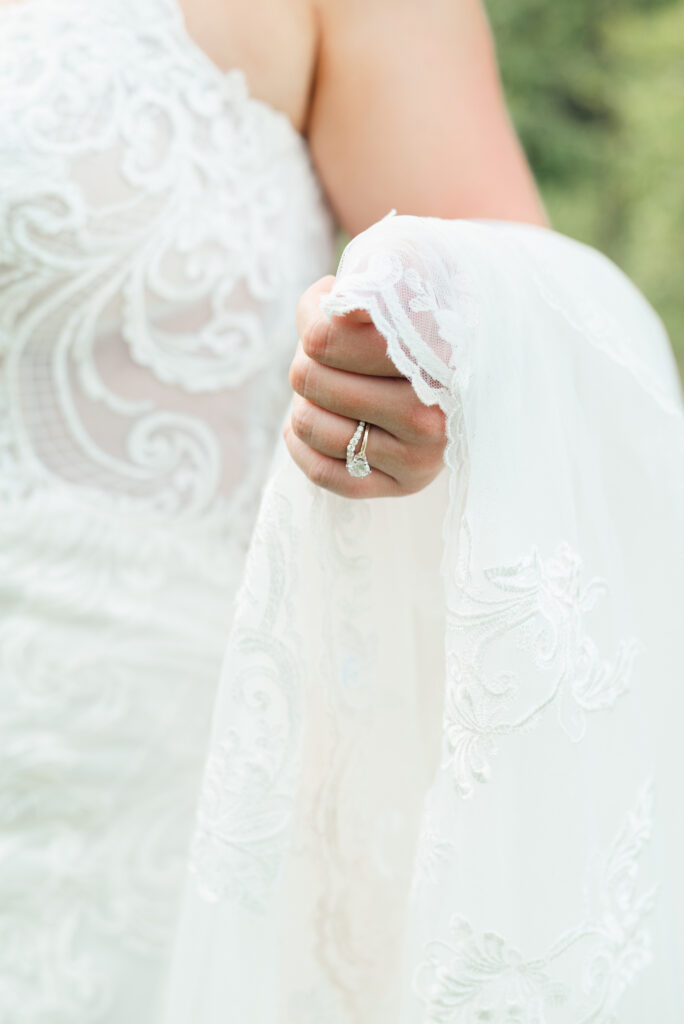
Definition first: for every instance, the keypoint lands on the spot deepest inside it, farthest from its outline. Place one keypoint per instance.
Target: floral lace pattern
(472, 977)
(538, 608)
(157, 225)
(247, 794)
(149, 223)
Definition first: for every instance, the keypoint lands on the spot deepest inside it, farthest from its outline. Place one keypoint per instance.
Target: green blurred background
(596, 90)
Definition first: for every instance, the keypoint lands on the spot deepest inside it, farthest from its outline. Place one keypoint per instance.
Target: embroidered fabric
(157, 225)
(443, 766)
(442, 786)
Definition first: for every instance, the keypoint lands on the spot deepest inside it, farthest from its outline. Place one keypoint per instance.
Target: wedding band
(357, 463)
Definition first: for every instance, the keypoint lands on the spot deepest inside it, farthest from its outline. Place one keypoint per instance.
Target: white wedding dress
(441, 735)
(157, 226)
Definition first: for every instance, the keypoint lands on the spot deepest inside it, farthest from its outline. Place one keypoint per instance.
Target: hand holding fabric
(482, 681)
(341, 374)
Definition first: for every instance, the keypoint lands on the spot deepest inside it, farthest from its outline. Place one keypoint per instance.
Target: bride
(269, 755)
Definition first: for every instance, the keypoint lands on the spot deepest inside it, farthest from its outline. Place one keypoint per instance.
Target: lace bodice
(443, 771)
(157, 224)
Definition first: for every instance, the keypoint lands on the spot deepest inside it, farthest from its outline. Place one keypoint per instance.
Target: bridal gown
(269, 756)
(157, 226)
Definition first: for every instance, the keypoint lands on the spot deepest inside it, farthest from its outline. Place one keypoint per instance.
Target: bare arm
(408, 112)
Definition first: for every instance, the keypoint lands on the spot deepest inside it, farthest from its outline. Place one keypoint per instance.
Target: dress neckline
(230, 76)
(233, 78)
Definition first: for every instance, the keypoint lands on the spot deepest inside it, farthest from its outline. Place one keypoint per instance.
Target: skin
(339, 372)
(407, 112)
(401, 105)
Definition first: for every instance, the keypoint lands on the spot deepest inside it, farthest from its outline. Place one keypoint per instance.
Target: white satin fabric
(444, 781)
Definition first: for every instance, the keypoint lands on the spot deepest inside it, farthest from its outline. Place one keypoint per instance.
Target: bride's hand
(341, 374)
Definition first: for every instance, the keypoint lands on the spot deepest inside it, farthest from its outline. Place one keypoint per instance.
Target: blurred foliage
(596, 90)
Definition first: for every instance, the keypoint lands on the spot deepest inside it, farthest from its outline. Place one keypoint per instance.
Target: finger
(349, 342)
(346, 344)
(308, 307)
(329, 434)
(390, 403)
(331, 474)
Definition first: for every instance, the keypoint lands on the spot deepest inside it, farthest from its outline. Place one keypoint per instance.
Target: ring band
(357, 463)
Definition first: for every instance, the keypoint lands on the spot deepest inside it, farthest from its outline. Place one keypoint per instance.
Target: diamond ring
(357, 463)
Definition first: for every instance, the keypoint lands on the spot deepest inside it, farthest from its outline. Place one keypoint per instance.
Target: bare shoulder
(408, 112)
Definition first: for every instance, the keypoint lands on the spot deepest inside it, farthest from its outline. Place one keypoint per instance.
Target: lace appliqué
(156, 230)
(535, 611)
(427, 320)
(472, 977)
(157, 225)
(250, 778)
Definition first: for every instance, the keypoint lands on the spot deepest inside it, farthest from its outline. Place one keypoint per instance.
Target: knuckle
(420, 464)
(302, 421)
(416, 418)
(311, 296)
(300, 368)
(316, 338)
(426, 422)
(320, 473)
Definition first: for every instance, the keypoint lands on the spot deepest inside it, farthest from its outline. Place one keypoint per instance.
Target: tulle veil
(444, 778)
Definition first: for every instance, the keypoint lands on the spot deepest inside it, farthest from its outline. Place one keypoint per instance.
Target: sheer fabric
(443, 783)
